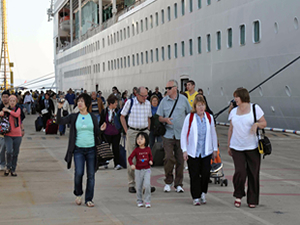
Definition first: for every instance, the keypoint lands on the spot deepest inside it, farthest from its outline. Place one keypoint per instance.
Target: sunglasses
(144, 96)
(169, 88)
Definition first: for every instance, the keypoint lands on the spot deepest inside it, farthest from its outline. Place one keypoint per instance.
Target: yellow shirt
(191, 97)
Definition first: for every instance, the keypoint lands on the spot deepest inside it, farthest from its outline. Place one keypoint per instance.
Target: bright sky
(29, 39)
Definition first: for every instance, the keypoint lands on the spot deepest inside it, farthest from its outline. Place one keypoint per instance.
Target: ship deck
(42, 192)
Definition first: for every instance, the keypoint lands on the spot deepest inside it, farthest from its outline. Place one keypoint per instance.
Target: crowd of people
(189, 135)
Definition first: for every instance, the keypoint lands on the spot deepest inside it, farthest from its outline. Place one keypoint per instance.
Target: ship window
(124, 61)
(182, 7)
(151, 55)
(242, 35)
(117, 36)
(111, 39)
(142, 24)
(137, 59)
(256, 29)
(218, 40)
(169, 51)
(121, 62)
(98, 67)
(98, 45)
(191, 46)
(229, 41)
(132, 30)
(169, 13)
(151, 21)
(142, 58)
(128, 32)
(276, 27)
(191, 5)
(128, 61)
(137, 27)
(114, 37)
(103, 67)
(156, 51)
(208, 2)
(163, 53)
(199, 4)
(147, 57)
(199, 45)
(124, 33)
(156, 19)
(115, 64)
(103, 43)
(175, 10)
(118, 62)
(108, 65)
(182, 49)
(162, 16)
(208, 48)
(146, 23)
(296, 23)
(133, 60)
(175, 50)
(121, 35)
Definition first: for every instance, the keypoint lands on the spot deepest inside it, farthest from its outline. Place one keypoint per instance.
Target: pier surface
(42, 191)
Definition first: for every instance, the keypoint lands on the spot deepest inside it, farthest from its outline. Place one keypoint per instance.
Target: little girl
(143, 156)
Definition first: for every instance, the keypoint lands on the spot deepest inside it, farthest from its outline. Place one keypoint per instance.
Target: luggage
(158, 154)
(51, 126)
(122, 158)
(38, 124)
(33, 110)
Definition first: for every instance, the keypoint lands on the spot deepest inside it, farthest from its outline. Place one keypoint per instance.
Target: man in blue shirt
(70, 98)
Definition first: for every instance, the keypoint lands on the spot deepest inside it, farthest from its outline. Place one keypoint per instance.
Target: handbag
(264, 144)
(44, 111)
(104, 152)
(159, 128)
(4, 125)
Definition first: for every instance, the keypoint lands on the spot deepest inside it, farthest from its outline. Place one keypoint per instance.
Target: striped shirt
(95, 109)
(140, 112)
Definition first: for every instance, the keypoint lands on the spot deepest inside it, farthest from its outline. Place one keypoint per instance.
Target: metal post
(100, 12)
(71, 21)
(80, 28)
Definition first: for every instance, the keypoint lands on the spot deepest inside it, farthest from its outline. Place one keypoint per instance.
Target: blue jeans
(28, 107)
(82, 155)
(153, 139)
(12, 151)
(2, 152)
(62, 129)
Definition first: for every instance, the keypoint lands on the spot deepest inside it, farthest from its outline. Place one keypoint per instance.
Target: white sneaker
(203, 200)
(148, 205)
(44, 130)
(140, 204)
(118, 167)
(78, 200)
(179, 189)
(167, 188)
(196, 201)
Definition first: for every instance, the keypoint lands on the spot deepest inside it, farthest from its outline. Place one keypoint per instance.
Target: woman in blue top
(84, 133)
(199, 144)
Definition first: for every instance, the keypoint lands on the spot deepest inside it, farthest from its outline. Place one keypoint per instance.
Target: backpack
(118, 116)
(191, 120)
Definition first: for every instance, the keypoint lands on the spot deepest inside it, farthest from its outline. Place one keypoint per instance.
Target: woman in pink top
(13, 138)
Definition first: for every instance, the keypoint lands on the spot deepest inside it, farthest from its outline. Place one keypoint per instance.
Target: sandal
(13, 174)
(6, 172)
(90, 204)
(237, 202)
(252, 206)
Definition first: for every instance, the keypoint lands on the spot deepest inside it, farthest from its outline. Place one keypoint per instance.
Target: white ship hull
(218, 72)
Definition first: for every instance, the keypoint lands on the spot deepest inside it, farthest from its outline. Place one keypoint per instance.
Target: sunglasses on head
(169, 88)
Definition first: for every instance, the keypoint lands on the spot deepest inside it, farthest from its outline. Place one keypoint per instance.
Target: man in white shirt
(28, 100)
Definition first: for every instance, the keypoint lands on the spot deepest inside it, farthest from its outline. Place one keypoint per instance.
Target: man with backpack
(139, 114)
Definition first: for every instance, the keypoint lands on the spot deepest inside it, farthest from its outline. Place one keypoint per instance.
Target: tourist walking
(13, 138)
(154, 106)
(97, 105)
(28, 100)
(4, 104)
(70, 98)
(199, 145)
(84, 133)
(46, 109)
(242, 146)
(171, 139)
(191, 92)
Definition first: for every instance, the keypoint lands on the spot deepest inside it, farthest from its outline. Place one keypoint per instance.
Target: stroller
(216, 171)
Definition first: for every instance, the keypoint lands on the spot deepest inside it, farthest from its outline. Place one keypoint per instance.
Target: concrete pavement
(42, 192)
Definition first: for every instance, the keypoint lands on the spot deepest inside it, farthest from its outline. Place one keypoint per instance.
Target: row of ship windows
(120, 35)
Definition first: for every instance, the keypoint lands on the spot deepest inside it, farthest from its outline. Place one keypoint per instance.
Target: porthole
(260, 91)
(288, 91)
(296, 24)
(276, 27)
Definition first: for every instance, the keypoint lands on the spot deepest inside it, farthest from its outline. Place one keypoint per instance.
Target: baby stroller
(216, 171)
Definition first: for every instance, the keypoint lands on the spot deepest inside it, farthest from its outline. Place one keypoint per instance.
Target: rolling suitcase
(33, 110)
(38, 124)
(158, 154)
(51, 126)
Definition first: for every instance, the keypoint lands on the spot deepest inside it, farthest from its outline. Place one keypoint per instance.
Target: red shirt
(142, 156)
(15, 131)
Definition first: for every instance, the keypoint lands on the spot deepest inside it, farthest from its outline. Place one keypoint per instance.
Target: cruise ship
(220, 44)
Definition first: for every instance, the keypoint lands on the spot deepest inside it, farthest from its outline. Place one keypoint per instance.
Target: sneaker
(148, 205)
(78, 200)
(44, 130)
(196, 201)
(167, 188)
(153, 189)
(203, 200)
(179, 189)
(132, 190)
(118, 167)
(140, 204)
(90, 204)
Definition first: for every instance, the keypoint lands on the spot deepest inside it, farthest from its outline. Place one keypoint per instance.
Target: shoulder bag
(104, 152)
(264, 144)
